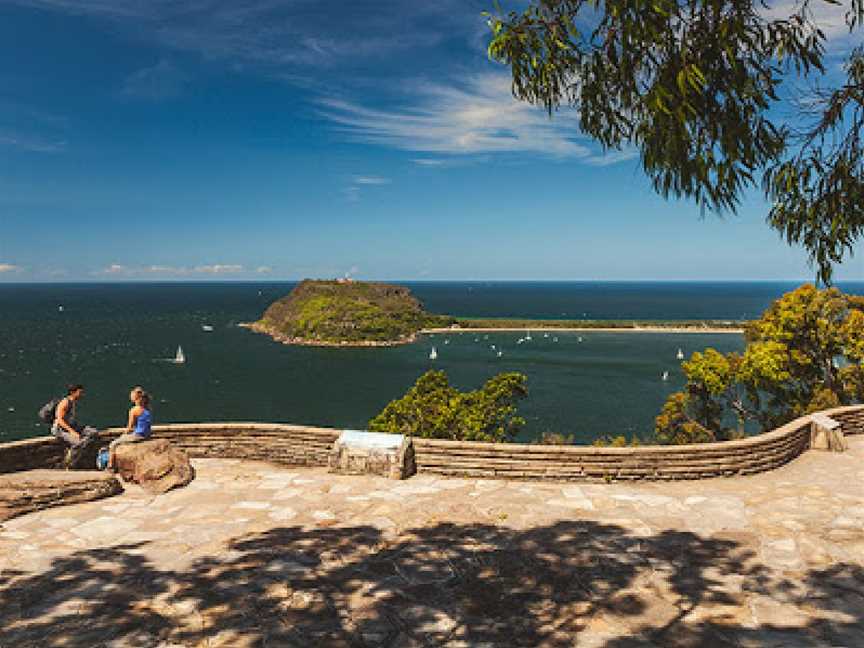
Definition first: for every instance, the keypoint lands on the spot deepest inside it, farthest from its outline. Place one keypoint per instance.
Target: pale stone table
(254, 555)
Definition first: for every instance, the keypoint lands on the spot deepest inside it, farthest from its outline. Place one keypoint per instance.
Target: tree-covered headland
(342, 311)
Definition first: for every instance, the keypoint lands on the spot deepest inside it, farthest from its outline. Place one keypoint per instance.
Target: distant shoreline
(296, 341)
(629, 328)
(586, 329)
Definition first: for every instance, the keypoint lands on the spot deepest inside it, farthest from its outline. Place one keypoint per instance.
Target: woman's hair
(137, 389)
(144, 399)
(72, 388)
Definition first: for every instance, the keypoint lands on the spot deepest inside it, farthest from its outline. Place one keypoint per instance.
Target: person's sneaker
(67, 459)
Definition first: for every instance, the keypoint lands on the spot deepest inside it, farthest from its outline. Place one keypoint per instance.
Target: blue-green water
(108, 337)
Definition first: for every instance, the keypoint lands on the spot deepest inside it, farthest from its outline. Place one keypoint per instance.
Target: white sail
(680, 354)
(180, 358)
(433, 354)
(665, 375)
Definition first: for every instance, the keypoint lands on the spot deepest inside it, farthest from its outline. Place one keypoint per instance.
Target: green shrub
(433, 409)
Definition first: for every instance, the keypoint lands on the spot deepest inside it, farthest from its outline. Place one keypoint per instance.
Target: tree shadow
(570, 583)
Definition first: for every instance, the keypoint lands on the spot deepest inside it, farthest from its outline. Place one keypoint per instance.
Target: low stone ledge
(302, 445)
(34, 490)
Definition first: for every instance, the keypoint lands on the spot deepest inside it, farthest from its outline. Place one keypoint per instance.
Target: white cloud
(263, 269)
(479, 117)
(31, 143)
(117, 269)
(161, 81)
(830, 18)
(371, 180)
(219, 268)
(430, 162)
(9, 267)
(281, 34)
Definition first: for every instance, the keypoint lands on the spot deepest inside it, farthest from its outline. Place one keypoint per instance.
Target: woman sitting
(138, 427)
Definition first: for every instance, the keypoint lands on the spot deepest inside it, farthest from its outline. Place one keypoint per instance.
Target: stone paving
(255, 555)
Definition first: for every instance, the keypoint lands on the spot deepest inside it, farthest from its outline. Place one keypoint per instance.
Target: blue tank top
(142, 424)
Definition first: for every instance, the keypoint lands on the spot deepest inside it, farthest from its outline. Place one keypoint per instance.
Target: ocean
(111, 337)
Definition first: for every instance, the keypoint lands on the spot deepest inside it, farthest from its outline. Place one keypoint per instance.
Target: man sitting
(67, 427)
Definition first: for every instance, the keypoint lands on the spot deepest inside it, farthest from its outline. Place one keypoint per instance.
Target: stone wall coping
(777, 434)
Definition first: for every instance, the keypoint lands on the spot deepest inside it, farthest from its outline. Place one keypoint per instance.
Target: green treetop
(433, 409)
(693, 86)
(805, 353)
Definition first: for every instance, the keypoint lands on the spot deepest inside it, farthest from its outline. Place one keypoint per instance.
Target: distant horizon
(466, 281)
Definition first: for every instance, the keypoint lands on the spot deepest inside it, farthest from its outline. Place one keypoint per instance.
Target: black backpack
(48, 411)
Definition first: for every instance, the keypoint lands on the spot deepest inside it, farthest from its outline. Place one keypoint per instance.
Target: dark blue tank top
(143, 423)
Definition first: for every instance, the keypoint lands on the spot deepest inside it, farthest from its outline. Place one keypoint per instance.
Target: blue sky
(280, 139)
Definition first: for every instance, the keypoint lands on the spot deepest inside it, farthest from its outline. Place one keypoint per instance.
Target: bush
(555, 438)
(433, 409)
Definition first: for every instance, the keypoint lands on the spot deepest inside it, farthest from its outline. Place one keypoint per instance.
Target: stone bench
(827, 434)
(34, 490)
(357, 452)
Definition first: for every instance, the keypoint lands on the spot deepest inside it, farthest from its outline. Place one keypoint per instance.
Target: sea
(111, 337)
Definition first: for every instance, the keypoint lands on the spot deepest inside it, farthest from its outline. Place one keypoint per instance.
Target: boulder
(156, 465)
(34, 490)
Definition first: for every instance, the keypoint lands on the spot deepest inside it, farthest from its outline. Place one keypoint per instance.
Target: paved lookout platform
(255, 555)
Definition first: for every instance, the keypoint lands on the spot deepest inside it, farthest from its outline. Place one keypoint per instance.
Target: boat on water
(206, 327)
(180, 357)
(665, 376)
(680, 354)
(433, 354)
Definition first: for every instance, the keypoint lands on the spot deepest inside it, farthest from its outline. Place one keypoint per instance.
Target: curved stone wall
(299, 445)
(697, 461)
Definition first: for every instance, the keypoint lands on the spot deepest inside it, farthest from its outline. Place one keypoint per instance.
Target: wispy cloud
(9, 267)
(30, 143)
(371, 180)
(161, 81)
(264, 270)
(478, 116)
(219, 268)
(352, 191)
(282, 33)
(117, 269)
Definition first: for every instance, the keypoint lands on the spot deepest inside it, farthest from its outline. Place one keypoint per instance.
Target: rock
(156, 465)
(34, 490)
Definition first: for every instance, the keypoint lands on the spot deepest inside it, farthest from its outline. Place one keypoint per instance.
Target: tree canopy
(693, 86)
(805, 353)
(434, 409)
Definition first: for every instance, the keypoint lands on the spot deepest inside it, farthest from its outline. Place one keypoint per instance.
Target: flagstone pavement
(251, 554)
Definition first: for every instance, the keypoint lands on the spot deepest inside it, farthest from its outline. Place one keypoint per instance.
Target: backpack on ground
(48, 411)
(102, 459)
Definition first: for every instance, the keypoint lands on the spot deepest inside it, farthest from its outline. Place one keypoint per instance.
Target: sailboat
(180, 358)
(433, 354)
(206, 327)
(680, 354)
(665, 376)
(528, 336)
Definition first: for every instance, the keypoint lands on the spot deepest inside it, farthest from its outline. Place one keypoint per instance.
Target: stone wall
(585, 463)
(298, 445)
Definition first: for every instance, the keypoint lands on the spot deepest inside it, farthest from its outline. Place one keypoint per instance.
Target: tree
(691, 85)
(805, 354)
(433, 409)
